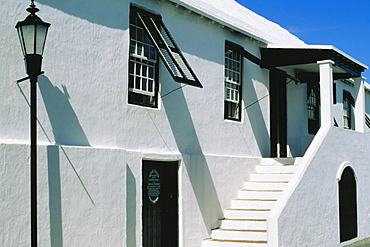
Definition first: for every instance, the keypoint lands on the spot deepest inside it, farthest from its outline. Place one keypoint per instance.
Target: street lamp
(32, 35)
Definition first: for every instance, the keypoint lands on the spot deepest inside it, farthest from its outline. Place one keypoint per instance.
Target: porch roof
(303, 59)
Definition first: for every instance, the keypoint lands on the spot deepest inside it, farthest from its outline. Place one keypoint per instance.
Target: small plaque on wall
(154, 186)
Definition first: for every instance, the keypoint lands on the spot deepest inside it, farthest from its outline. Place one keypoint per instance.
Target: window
(313, 108)
(143, 65)
(348, 102)
(233, 84)
(150, 39)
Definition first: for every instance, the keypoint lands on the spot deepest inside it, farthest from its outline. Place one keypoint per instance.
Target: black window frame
(233, 108)
(155, 34)
(313, 107)
(135, 96)
(348, 104)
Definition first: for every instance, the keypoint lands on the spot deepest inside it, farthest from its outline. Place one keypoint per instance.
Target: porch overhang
(303, 60)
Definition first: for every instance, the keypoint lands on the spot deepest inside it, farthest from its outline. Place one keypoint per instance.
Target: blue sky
(342, 23)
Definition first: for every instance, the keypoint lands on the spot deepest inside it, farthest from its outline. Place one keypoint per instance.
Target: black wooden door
(160, 204)
(347, 205)
(278, 115)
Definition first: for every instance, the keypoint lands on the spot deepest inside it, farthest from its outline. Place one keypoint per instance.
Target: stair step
(244, 224)
(276, 169)
(264, 186)
(229, 243)
(283, 178)
(255, 204)
(256, 235)
(259, 195)
(246, 214)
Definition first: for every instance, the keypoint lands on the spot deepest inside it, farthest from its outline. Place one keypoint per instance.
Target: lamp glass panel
(20, 36)
(41, 32)
(28, 32)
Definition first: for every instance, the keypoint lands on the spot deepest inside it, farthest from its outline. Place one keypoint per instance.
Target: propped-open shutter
(367, 121)
(350, 98)
(170, 53)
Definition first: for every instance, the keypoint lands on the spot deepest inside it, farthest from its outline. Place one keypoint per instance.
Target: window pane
(140, 35)
(131, 81)
(132, 48)
(137, 82)
(139, 49)
(144, 85)
(131, 67)
(152, 54)
(147, 39)
(150, 86)
(133, 33)
(138, 69)
(146, 51)
(151, 72)
(145, 68)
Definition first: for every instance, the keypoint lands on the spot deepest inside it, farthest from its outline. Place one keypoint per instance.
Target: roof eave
(320, 47)
(220, 21)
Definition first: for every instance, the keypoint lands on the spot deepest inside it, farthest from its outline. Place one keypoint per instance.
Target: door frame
(168, 169)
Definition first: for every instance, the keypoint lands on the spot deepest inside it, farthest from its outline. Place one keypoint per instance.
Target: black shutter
(170, 53)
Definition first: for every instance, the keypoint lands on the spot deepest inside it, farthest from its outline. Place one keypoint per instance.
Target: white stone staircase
(245, 223)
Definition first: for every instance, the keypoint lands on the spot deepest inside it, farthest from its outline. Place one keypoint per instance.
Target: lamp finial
(32, 9)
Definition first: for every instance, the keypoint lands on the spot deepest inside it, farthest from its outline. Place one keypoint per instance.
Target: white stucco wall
(92, 142)
(83, 93)
(311, 214)
(81, 195)
(298, 137)
(93, 196)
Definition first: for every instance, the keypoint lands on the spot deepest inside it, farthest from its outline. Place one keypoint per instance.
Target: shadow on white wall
(67, 129)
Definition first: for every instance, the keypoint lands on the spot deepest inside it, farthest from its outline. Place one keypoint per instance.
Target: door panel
(347, 205)
(160, 204)
(278, 115)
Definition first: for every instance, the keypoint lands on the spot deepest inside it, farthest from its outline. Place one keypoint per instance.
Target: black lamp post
(32, 35)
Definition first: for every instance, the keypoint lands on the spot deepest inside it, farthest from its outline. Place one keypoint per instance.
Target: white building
(240, 147)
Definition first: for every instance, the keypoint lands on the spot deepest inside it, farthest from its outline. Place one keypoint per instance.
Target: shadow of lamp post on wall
(32, 35)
